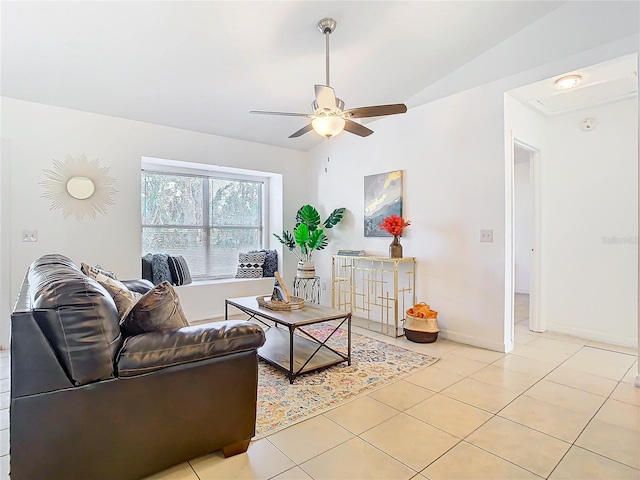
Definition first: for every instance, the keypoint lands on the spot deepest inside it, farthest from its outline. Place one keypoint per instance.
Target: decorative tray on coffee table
(266, 302)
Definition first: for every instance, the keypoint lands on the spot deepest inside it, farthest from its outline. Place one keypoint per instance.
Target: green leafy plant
(308, 235)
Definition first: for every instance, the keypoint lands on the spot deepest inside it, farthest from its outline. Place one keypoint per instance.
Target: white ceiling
(602, 83)
(203, 65)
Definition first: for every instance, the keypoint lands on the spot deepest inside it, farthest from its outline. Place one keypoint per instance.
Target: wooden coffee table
(288, 345)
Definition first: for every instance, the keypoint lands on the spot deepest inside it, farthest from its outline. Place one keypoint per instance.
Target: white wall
(35, 134)
(452, 151)
(523, 218)
(590, 224)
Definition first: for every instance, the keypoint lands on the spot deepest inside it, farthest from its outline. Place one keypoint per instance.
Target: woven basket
(421, 330)
(294, 303)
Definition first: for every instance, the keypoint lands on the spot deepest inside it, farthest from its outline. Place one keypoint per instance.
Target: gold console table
(376, 290)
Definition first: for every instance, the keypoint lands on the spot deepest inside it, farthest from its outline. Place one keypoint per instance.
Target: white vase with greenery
(308, 236)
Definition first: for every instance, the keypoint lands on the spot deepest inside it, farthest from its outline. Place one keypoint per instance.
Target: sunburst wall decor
(79, 186)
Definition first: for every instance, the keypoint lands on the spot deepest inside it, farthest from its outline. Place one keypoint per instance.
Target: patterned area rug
(374, 364)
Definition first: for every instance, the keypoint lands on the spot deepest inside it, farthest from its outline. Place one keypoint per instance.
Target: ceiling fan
(329, 117)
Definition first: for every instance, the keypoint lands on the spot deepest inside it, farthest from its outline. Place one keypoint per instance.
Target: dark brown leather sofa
(87, 403)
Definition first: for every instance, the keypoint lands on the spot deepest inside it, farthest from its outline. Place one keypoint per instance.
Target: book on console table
(352, 253)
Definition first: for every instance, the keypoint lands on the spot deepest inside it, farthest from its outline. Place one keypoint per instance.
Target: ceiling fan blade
(325, 98)
(286, 114)
(354, 127)
(302, 131)
(376, 111)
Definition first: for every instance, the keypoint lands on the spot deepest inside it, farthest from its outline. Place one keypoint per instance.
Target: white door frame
(536, 322)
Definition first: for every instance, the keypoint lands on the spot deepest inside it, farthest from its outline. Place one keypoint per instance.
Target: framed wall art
(382, 197)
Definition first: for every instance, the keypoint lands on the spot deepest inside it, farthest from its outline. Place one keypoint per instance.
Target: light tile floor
(556, 407)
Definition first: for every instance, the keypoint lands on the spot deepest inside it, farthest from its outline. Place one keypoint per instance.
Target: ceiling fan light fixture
(328, 126)
(568, 81)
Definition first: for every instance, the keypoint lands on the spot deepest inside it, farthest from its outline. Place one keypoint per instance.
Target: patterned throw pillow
(270, 265)
(179, 270)
(158, 309)
(250, 265)
(90, 271)
(160, 268)
(124, 298)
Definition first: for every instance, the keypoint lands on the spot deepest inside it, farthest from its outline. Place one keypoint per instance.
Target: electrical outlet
(29, 235)
(486, 236)
(324, 285)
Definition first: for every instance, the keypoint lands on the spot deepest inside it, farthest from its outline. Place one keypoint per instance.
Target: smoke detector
(587, 124)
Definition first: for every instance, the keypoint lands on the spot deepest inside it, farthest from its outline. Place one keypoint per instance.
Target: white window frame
(169, 167)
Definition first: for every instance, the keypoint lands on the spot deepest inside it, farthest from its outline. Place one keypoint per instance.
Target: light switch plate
(29, 235)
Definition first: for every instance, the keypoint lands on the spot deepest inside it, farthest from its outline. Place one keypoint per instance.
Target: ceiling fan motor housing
(327, 25)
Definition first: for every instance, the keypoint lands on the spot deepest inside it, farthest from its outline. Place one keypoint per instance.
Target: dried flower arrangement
(394, 225)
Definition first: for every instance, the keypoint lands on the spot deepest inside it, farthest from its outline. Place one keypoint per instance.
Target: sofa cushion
(157, 350)
(250, 265)
(124, 298)
(77, 316)
(158, 309)
(179, 269)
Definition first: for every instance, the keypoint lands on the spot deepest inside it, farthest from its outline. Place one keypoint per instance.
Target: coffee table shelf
(276, 352)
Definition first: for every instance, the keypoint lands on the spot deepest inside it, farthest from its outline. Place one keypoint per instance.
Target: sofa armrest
(153, 351)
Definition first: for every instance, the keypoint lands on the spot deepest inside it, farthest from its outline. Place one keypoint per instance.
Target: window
(205, 218)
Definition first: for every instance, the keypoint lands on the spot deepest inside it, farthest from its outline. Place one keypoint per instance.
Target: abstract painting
(382, 197)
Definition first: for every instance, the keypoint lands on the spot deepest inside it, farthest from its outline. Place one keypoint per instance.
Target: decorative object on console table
(352, 253)
(395, 248)
(308, 237)
(394, 225)
(376, 290)
(307, 288)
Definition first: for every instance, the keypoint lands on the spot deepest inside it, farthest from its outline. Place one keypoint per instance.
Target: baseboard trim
(593, 335)
(474, 341)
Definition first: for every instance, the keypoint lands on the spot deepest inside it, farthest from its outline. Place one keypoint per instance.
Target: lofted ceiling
(204, 65)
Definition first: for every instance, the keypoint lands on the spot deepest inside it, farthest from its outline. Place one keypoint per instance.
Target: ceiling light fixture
(568, 81)
(328, 126)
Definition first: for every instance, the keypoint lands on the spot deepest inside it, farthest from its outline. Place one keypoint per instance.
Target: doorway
(523, 234)
(526, 236)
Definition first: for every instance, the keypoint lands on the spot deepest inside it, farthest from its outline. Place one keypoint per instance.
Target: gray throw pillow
(158, 309)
